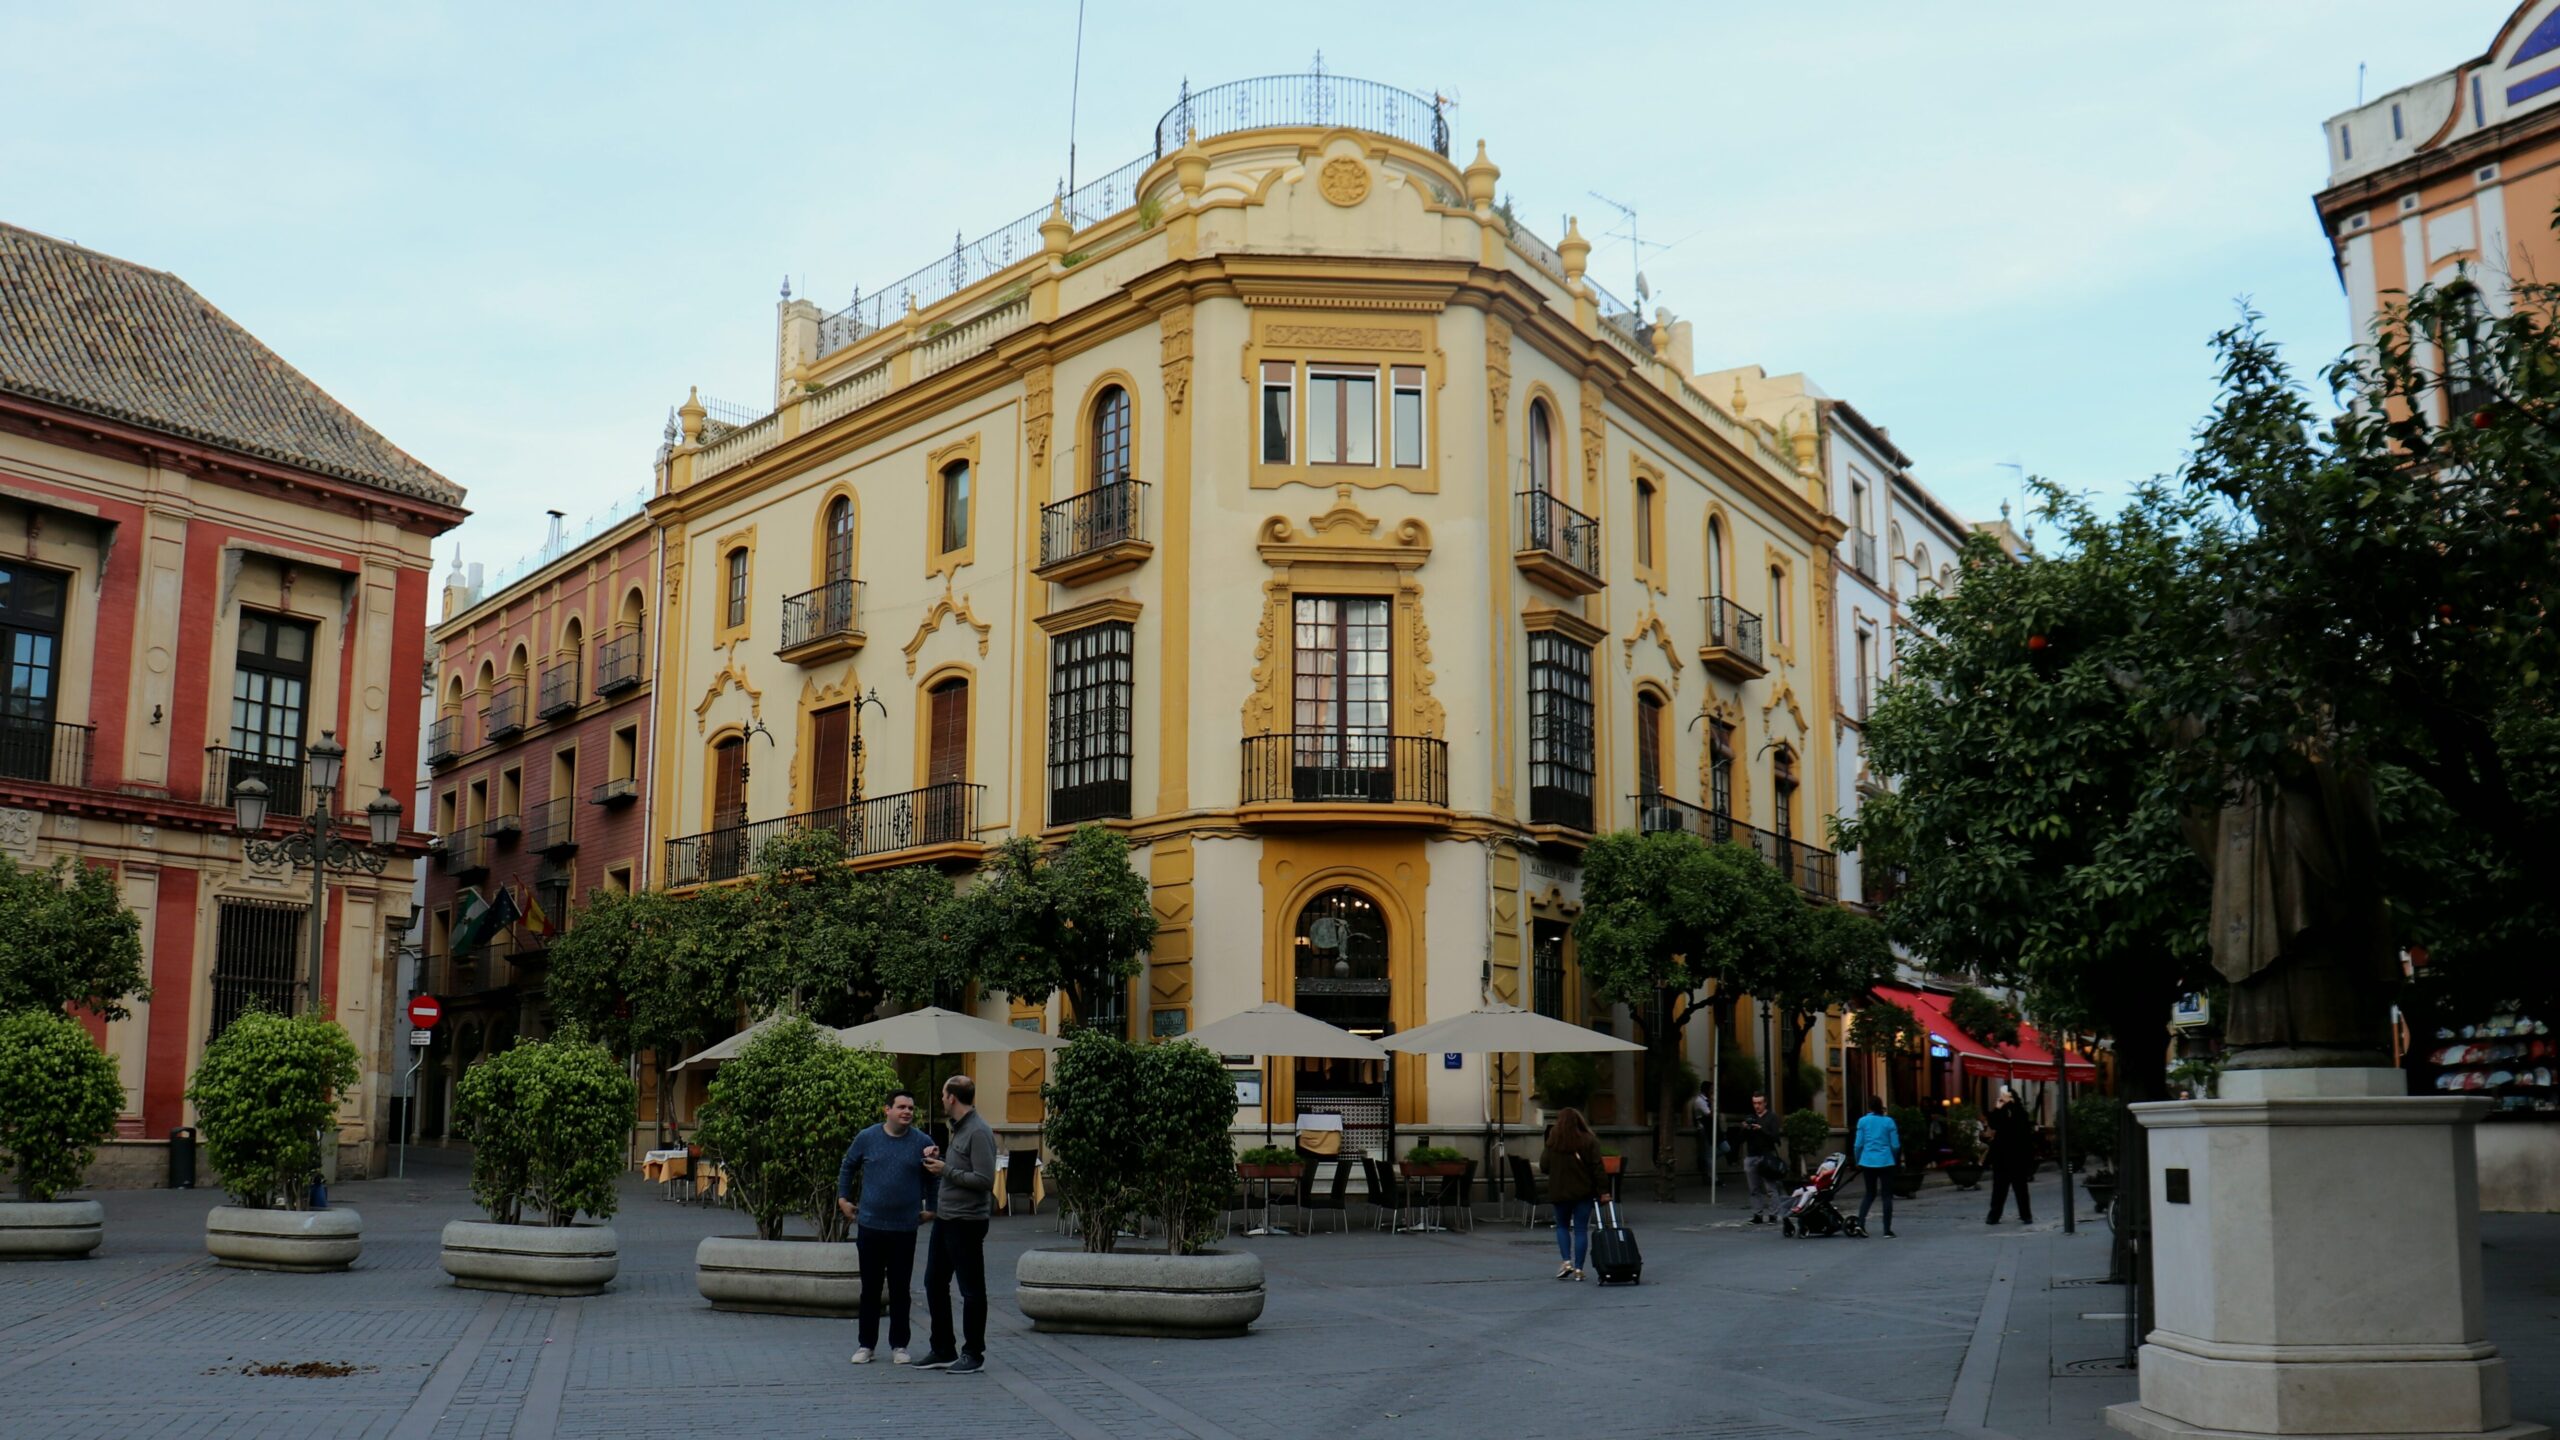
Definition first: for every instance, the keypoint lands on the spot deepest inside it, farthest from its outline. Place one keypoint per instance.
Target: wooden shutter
(948, 755)
(830, 733)
(729, 783)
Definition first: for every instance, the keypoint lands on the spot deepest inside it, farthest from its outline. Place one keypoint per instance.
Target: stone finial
(1662, 335)
(1054, 232)
(1573, 249)
(1803, 438)
(691, 413)
(1191, 165)
(1741, 402)
(914, 320)
(1481, 174)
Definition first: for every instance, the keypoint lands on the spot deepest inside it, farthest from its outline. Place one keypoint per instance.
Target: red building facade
(536, 756)
(206, 565)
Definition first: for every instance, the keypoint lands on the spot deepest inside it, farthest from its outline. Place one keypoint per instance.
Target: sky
(512, 236)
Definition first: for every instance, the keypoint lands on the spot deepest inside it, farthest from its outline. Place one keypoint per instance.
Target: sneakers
(967, 1365)
(862, 1356)
(899, 1357)
(936, 1360)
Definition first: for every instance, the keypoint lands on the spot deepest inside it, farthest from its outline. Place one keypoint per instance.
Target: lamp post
(315, 846)
(868, 698)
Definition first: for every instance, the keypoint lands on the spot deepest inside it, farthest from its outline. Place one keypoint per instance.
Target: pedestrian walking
(1758, 1134)
(965, 1174)
(1575, 1180)
(1877, 1147)
(1702, 1118)
(888, 1161)
(2012, 1155)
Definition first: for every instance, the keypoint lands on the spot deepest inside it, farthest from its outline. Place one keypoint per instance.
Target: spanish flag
(536, 919)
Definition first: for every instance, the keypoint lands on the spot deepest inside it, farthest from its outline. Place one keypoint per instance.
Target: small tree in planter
(1187, 1165)
(780, 1117)
(548, 1121)
(1567, 1080)
(1964, 1143)
(59, 1096)
(264, 1090)
(1092, 1134)
(1808, 1134)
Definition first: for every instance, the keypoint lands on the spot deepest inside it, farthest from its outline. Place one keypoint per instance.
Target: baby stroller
(1813, 1209)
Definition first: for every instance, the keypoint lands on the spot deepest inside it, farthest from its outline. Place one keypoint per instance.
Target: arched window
(840, 539)
(1542, 448)
(955, 506)
(1920, 567)
(1342, 975)
(736, 612)
(1110, 437)
(1649, 744)
(1782, 790)
(1715, 558)
(1777, 604)
(722, 855)
(944, 809)
(1645, 495)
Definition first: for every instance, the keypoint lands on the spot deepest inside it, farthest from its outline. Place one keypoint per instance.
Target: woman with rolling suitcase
(1575, 1180)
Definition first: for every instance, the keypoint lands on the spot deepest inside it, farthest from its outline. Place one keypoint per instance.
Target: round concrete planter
(778, 1277)
(1174, 1297)
(50, 1229)
(301, 1240)
(531, 1259)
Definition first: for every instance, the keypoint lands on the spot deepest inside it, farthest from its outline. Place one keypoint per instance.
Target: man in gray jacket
(966, 1172)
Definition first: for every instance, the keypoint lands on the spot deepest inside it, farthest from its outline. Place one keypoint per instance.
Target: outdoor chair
(1022, 1182)
(1382, 1198)
(1308, 1164)
(1458, 1193)
(1336, 1198)
(1524, 1183)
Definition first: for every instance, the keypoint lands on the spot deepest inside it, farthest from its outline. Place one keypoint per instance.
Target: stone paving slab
(1954, 1329)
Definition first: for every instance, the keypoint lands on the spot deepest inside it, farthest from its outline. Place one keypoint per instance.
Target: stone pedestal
(2316, 1265)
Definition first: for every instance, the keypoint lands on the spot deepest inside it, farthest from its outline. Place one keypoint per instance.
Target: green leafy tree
(1808, 1134)
(1978, 1014)
(59, 1098)
(780, 1117)
(1880, 1027)
(825, 940)
(1092, 1131)
(648, 972)
(266, 1088)
(66, 938)
(1833, 956)
(1186, 1157)
(1077, 919)
(548, 1121)
(1666, 919)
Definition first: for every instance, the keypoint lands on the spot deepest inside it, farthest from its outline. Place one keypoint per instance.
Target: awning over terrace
(2030, 1059)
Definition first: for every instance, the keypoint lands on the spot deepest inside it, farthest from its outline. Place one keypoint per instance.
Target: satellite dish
(1328, 932)
(1643, 291)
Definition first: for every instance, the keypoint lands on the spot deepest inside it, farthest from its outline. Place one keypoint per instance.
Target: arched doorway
(1341, 971)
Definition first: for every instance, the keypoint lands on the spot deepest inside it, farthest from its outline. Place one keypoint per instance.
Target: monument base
(2316, 1265)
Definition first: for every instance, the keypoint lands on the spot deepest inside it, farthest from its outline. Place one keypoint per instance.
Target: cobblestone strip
(82, 1337)
(540, 1417)
(446, 1382)
(1196, 1425)
(112, 1293)
(1023, 1388)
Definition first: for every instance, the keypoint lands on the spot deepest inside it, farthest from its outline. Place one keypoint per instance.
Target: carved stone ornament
(1344, 337)
(948, 607)
(731, 673)
(18, 831)
(1344, 545)
(1497, 366)
(1036, 399)
(1344, 181)
(1650, 624)
(1174, 356)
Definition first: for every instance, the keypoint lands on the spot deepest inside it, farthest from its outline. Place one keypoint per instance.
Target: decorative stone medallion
(1344, 181)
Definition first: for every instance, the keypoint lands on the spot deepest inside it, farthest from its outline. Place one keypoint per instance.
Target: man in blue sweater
(887, 1161)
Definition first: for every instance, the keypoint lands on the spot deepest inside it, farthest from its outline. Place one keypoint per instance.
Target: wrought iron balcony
(937, 815)
(444, 739)
(822, 624)
(1319, 100)
(1557, 545)
(1733, 646)
(504, 715)
(1809, 868)
(226, 767)
(620, 790)
(46, 751)
(547, 827)
(1330, 768)
(618, 660)
(508, 825)
(559, 692)
(1862, 552)
(465, 852)
(1100, 532)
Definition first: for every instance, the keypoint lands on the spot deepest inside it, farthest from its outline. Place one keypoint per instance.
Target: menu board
(2511, 1059)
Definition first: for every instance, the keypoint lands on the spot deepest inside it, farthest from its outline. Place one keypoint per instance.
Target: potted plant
(59, 1095)
(267, 1087)
(777, 1122)
(2093, 1120)
(1567, 1081)
(1435, 1160)
(1964, 1143)
(1178, 1166)
(1808, 1134)
(548, 1121)
(1268, 1162)
(1611, 1162)
(1914, 1125)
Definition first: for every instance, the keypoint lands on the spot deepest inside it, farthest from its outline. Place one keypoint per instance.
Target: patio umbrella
(728, 1049)
(1271, 1029)
(1504, 1030)
(936, 1031)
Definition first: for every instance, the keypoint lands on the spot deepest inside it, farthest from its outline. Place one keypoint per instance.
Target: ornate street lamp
(871, 699)
(315, 845)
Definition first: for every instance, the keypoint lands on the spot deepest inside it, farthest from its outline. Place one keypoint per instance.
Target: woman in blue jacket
(1877, 1147)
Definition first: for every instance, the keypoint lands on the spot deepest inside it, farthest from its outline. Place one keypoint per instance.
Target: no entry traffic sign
(424, 1011)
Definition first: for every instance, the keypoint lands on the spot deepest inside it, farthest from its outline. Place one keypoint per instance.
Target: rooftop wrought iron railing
(935, 815)
(1549, 524)
(47, 751)
(1730, 627)
(832, 609)
(1316, 99)
(1809, 868)
(1332, 767)
(1096, 519)
(618, 660)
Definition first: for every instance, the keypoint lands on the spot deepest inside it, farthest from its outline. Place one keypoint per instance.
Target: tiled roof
(101, 335)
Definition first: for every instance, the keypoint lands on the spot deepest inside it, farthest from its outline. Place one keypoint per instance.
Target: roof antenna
(1075, 93)
(2359, 83)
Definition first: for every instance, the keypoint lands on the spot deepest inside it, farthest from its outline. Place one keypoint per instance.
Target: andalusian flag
(470, 919)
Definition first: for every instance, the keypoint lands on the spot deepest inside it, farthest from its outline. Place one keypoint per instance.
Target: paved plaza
(1953, 1329)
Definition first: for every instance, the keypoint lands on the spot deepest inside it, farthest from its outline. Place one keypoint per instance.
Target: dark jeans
(2007, 1181)
(958, 1248)
(1878, 1178)
(888, 1259)
(1573, 1230)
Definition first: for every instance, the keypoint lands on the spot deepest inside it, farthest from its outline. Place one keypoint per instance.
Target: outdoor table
(1421, 1188)
(663, 1168)
(1268, 1175)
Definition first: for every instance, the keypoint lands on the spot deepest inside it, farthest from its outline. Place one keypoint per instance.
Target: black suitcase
(1614, 1254)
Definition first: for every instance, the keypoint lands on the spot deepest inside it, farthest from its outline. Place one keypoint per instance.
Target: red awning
(2030, 1059)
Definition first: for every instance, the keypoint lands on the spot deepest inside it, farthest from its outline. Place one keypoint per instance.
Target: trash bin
(182, 1158)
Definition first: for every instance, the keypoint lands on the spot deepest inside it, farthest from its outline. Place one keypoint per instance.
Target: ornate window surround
(1343, 553)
